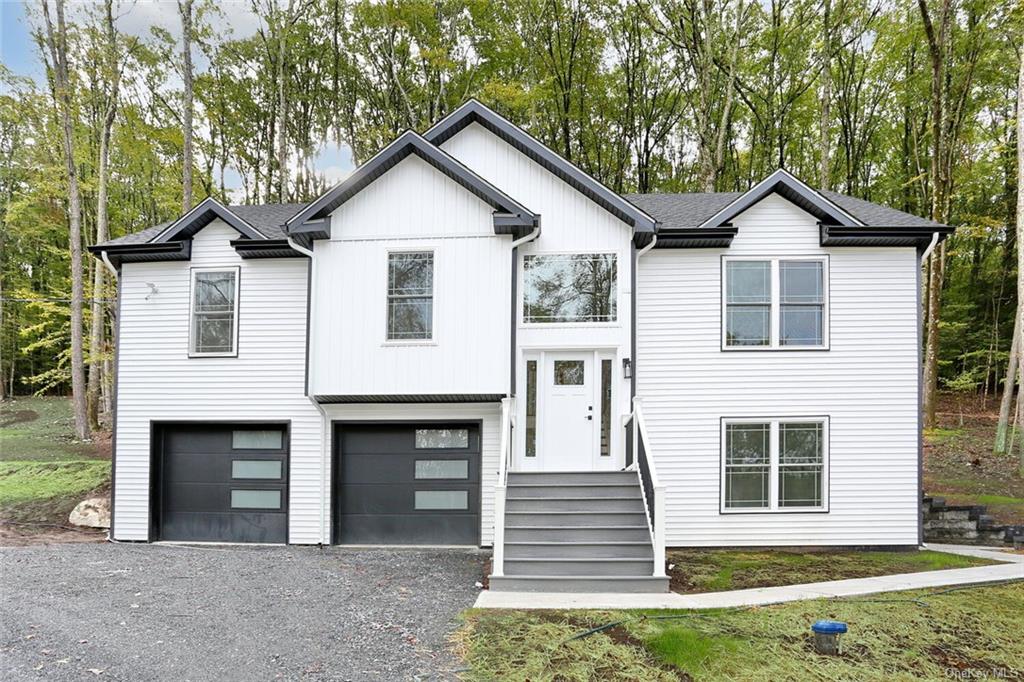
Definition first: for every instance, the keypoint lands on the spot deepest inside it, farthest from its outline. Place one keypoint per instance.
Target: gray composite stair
(576, 532)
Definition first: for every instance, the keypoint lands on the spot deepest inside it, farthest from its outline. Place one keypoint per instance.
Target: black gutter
(410, 398)
(695, 237)
(876, 235)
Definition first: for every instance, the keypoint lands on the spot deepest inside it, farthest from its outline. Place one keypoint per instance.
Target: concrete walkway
(1011, 569)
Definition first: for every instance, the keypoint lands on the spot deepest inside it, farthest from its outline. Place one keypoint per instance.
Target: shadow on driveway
(160, 612)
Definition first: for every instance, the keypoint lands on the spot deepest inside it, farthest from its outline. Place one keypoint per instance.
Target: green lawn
(717, 570)
(44, 470)
(892, 637)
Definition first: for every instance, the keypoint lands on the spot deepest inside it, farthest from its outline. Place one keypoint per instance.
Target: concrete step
(585, 550)
(519, 490)
(949, 515)
(544, 583)
(634, 532)
(564, 477)
(605, 566)
(514, 519)
(580, 504)
(950, 524)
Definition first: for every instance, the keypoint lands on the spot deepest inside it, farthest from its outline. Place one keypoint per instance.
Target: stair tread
(578, 577)
(562, 559)
(595, 484)
(574, 498)
(575, 542)
(578, 511)
(644, 526)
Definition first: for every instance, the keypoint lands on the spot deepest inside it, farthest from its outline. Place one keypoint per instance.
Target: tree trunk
(937, 49)
(826, 100)
(96, 336)
(57, 45)
(1019, 324)
(185, 9)
(1003, 425)
(282, 108)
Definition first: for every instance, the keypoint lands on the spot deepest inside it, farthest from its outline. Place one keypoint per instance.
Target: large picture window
(775, 303)
(569, 288)
(774, 464)
(214, 320)
(410, 295)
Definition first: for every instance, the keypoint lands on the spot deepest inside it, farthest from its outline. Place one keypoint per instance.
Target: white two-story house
(470, 341)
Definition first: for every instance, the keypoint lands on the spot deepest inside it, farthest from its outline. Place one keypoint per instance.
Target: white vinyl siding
(867, 384)
(158, 382)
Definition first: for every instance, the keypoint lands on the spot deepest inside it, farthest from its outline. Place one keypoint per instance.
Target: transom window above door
(775, 303)
(561, 288)
(410, 295)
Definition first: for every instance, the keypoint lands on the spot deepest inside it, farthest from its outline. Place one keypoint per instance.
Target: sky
(18, 53)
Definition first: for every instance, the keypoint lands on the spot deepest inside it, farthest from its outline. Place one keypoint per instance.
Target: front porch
(582, 530)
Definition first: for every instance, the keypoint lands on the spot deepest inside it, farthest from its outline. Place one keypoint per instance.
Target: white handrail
(504, 457)
(656, 505)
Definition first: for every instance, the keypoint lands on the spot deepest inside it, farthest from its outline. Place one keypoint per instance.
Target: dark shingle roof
(268, 219)
(692, 209)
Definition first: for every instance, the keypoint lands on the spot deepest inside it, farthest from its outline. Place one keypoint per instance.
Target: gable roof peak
(792, 188)
(201, 215)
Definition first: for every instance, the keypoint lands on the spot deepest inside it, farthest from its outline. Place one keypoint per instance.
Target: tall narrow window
(214, 312)
(531, 408)
(410, 295)
(775, 303)
(748, 301)
(801, 303)
(801, 464)
(747, 465)
(606, 408)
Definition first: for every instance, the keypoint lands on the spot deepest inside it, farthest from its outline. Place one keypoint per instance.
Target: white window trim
(576, 324)
(774, 344)
(773, 474)
(192, 352)
(432, 339)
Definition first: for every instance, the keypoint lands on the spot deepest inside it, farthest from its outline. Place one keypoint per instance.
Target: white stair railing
(650, 487)
(504, 462)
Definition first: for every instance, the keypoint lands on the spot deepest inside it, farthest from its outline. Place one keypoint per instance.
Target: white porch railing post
(498, 561)
(657, 501)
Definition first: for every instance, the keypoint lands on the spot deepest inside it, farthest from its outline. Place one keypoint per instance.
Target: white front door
(569, 413)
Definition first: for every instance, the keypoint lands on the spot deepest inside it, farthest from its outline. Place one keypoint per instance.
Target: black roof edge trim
(265, 248)
(410, 398)
(313, 229)
(790, 187)
(201, 215)
(149, 251)
(695, 237)
(475, 112)
(407, 143)
(877, 235)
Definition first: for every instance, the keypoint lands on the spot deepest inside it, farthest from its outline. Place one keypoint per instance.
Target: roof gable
(783, 183)
(510, 217)
(201, 215)
(475, 112)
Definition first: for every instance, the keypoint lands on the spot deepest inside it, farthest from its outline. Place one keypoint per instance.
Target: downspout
(110, 266)
(534, 233)
(920, 397)
(654, 240)
(324, 419)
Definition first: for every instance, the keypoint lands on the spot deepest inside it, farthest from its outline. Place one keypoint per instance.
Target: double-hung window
(214, 306)
(410, 295)
(774, 464)
(775, 303)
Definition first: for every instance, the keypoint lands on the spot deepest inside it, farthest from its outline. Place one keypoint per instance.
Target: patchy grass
(959, 465)
(902, 636)
(43, 429)
(44, 470)
(696, 571)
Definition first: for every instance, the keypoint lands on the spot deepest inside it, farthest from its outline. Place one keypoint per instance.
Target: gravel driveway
(161, 612)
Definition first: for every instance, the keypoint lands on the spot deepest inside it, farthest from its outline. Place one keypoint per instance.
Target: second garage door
(407, 484)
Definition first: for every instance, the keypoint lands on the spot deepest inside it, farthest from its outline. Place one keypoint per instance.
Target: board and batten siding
(159, 382)
(412, 207)
(570, 223)
(489, 414)
(867, 383)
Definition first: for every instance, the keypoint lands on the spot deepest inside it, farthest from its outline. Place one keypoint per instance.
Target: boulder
(93, 513)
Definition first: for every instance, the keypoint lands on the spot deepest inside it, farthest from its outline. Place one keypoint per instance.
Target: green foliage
(634, 93)
(22, 482)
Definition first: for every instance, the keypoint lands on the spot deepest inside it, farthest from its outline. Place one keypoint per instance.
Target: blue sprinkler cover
(829, 627)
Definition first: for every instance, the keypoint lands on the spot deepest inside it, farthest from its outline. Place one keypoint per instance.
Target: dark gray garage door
(407, 484)
(221, 483)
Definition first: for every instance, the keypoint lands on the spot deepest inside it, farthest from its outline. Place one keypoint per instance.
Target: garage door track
(163, 612)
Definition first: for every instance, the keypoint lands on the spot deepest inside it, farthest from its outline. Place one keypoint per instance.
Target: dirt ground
(959, 464)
